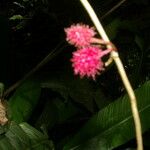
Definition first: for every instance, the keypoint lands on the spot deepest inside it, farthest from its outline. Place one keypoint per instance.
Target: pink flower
(79, 35)
(87, 61)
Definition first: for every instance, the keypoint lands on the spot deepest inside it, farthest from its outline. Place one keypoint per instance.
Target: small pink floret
(79, 35)
(87, 61)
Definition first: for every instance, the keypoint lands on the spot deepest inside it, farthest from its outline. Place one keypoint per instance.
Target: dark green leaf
(24, 137)
(65, 110)
(101, 99)
(113, 125)
(38, 140)
(56, 111)
(24, 100)
(68, 85)
(5, 144)
(17, 137)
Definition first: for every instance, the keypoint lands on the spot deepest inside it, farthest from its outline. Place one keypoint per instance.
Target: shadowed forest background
(54, 109)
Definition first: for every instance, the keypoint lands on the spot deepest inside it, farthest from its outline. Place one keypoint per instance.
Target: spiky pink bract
(79, 35)
(87, 61)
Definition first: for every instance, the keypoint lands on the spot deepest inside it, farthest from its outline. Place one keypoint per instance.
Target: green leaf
(24, 137)
(5, 144)
(17, 137)
(68, 85)
(24, 100)
(56, 111)
(38, 139)
(113, 126)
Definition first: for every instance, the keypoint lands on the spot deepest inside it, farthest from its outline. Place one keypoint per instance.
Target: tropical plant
(44, 105)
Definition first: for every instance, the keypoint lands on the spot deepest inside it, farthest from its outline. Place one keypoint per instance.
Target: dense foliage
(50, 107)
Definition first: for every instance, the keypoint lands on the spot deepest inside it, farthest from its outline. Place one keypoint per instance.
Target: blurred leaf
(24, 100)
(16, 17)
(5, 144)
(113, 125)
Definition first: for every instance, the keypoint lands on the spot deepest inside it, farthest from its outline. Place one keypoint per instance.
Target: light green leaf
(113, 126)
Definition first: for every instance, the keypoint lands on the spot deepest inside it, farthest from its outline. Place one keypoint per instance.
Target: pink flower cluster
(86, 60)
(79, 35)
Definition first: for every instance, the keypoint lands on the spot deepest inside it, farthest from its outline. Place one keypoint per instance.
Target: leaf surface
(113, 126)
(24, 100)
(24, 136)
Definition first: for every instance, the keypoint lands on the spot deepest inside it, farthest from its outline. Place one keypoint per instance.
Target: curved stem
(115, 57)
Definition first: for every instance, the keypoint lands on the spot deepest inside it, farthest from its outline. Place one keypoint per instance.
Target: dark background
(25, 42)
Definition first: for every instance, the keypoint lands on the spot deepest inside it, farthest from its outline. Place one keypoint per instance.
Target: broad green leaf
(113, 126)
(24, 100)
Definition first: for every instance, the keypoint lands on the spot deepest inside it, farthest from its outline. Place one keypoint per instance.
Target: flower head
(79, 35)
(87, 61)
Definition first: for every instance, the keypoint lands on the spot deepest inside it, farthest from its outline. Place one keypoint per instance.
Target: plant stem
(121, 70)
